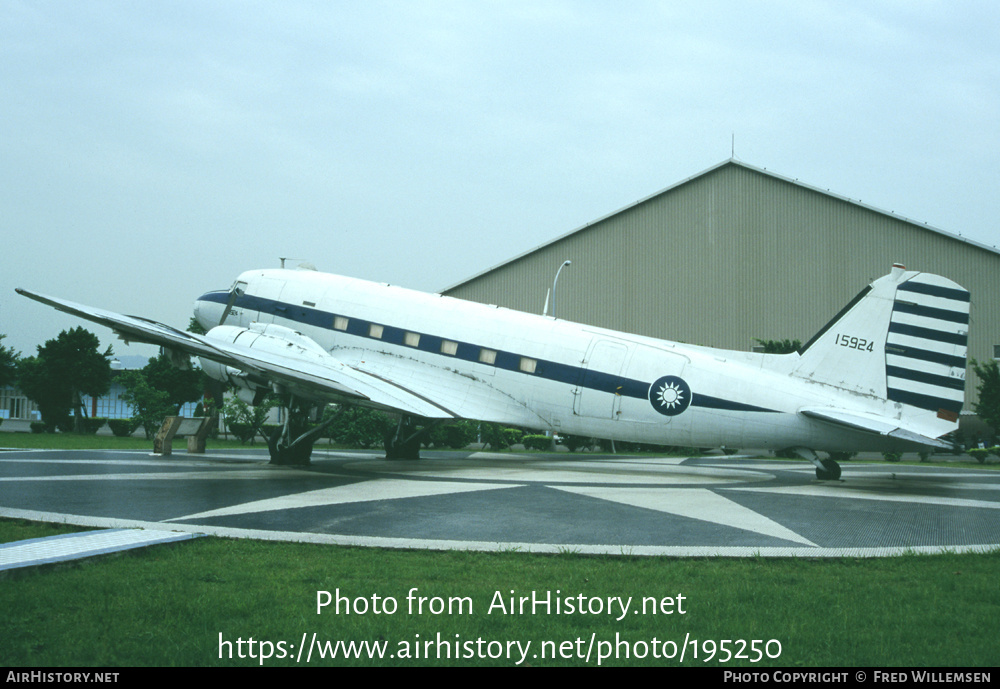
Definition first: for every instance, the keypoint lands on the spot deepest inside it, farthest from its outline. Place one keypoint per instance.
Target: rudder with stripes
(900, 347)
(927, 345)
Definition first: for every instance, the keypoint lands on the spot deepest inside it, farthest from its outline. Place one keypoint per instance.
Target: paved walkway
(43, 551)
(540, 503)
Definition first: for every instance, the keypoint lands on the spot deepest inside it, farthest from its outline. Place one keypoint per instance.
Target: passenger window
(375, 331)
(487, 356)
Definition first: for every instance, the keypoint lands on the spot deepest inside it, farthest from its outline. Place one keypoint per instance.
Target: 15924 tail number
(858, 343)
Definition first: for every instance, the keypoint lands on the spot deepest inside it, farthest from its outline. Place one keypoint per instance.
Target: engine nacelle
(263, 338)
(245, 388)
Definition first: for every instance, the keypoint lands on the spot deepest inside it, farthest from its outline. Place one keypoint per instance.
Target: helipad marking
(696, 503)
(366, 491)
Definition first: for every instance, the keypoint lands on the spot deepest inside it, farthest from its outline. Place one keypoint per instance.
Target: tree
(988, 406)
(65, 368)
(779, 346)
(149, 405)
(180, 385)
(8, 364)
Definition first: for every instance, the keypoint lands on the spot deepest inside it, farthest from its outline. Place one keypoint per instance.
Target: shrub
(499, 437)
(360, 427)
(575, 442)
(537, 442)
(454, 435)
(244, 432)
(979, 454)
(243, 420)
(92, 425)
(513, 435)
(892, 456)
(122, 428)
(617, 445)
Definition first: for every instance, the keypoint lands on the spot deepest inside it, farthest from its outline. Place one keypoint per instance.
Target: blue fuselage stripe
(466, 351)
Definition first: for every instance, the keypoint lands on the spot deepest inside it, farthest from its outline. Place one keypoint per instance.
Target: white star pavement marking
(695, 503)
(365, 491)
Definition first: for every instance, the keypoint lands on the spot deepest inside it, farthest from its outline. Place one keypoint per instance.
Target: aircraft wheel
(829, 472)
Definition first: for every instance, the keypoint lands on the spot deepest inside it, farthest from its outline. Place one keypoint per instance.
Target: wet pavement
(530, 502)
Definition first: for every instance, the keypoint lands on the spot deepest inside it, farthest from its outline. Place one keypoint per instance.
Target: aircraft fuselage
(495, 364)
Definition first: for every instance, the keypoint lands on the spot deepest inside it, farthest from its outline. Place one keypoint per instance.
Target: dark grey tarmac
(529, 502)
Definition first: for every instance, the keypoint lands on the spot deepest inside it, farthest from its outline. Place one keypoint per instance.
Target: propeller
(238, 290)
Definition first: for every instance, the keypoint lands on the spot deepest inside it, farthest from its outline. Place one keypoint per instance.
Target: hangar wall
(733, 254)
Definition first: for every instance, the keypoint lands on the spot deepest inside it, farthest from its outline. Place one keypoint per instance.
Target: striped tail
(927, 345)
(900, 347)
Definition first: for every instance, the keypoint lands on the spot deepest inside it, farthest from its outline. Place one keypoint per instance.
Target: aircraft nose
(206, 311)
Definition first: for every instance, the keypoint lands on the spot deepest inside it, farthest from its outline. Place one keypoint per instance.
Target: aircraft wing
(320, 376)
(873, 424)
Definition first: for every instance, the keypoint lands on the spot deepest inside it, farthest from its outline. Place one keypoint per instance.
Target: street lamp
(565, 263)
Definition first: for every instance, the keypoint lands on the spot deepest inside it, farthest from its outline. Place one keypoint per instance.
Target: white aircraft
(885, 374)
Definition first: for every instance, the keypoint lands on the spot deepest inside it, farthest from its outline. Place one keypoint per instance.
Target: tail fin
(904, 341)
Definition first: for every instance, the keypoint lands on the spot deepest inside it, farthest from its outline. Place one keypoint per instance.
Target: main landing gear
(830, 470)
(826, 469)
(404, 441)
(292, 444)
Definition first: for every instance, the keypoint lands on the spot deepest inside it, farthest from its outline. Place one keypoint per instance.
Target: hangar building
(737, 253)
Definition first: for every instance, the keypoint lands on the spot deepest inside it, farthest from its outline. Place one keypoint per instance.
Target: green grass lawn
(172, 605)
(72, 441)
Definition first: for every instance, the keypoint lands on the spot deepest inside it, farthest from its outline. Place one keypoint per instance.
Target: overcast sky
(151, 151)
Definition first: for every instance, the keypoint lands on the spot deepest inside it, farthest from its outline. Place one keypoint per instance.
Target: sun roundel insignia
(670, 395)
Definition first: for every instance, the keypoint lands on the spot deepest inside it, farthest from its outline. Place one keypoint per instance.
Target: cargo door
(597, 393)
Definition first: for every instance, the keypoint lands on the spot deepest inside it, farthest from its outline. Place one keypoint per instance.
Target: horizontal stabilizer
(873, 424)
